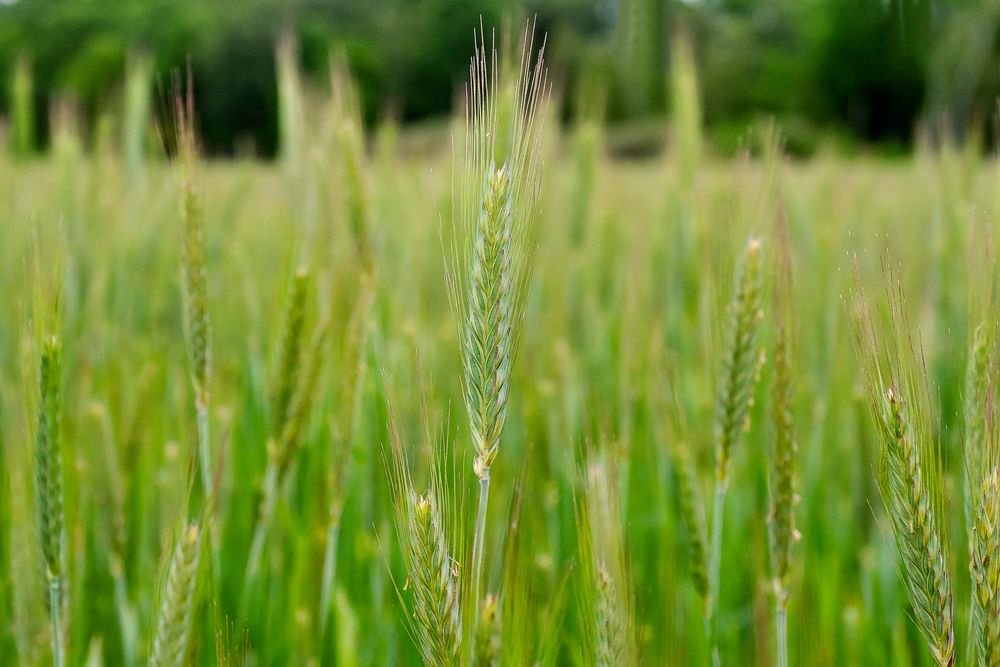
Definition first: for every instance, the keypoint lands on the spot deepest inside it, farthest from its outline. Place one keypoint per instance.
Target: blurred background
(854, 74)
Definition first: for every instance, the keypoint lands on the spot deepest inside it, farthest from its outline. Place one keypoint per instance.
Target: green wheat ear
(178, 602)
(740, 364)
(781, 482)
(48, 466)
(606, 601)
(741, 359)
(692, 509)
(982, 455)
(425, 525)
(194, 275)
(495, 234)
(909, 465)
(982, 465)
(489, 328)
(48, 485)
(290, 351)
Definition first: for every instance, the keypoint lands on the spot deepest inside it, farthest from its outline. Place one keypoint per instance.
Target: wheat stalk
(782, 532)
(48, 485)
(294, 393)
(606, 600)
(908, 471)
(194, 279)
(488, 281)
(689, 487)
(342, 427)
(178, 602)
(740, 365)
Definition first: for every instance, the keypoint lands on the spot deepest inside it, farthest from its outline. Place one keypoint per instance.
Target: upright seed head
(178, 602)
(48, 459)
(289, 359)
(488, 342)
(741, 359)
(606, 600)
(304, 396)
(982, 496)
(494, 234)
(902, 482)
(693, 515)
(194, 281)
(781, 479)
(610, 629)
(422, 525)
(909, 464)
(435, 586)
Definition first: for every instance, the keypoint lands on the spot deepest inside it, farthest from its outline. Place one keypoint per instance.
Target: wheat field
(723, 410)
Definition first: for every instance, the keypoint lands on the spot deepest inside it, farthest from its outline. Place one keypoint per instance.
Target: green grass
(624, 341)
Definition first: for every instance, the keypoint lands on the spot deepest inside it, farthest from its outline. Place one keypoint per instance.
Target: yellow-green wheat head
(494, 235)
(982, 493)
(741, 358)
(606, 602)
(194, 273)
(782, 482)
(909, 471)
(48, 466)
(427, 524)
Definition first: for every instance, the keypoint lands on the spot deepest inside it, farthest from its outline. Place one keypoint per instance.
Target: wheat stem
(55, 605)
(204, 454)
(781, 630)
(268, 501)
(478, 543)
(329, 574)
(715, 567)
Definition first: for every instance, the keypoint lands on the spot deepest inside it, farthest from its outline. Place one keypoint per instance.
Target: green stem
(715, 566)
(126, 615)
(781, 626)
(329, 574)
(477, 546)
(55, 614)
(205, 463)
(260, 531)
(204, 457)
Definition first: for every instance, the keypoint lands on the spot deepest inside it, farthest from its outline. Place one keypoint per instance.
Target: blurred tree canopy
(870, 69)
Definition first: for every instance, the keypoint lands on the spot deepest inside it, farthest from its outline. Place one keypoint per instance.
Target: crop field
(739, 411)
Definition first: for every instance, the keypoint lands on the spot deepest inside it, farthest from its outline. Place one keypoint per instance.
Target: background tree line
(861, 70)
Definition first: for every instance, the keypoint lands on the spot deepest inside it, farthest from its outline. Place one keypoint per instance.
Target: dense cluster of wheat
(241, 425)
